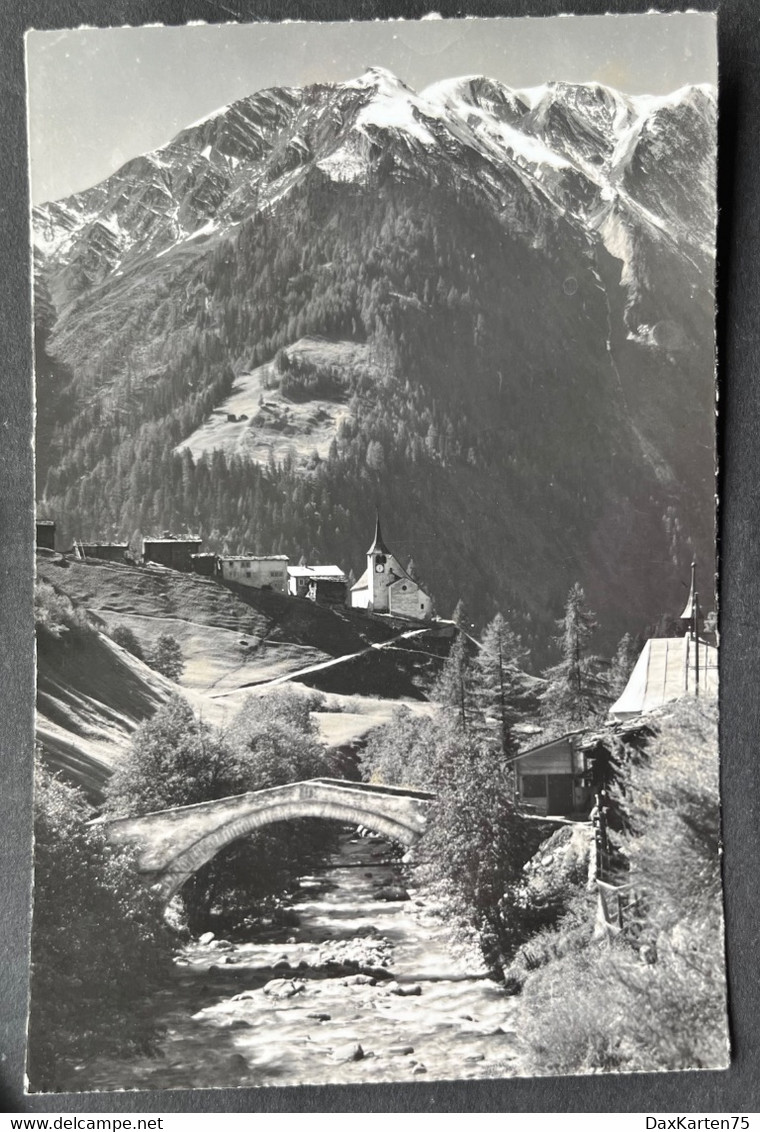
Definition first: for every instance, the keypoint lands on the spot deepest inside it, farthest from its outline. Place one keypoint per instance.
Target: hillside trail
(377, 646)
(357, 988)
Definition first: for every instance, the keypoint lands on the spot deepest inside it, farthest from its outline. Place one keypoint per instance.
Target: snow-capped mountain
(525, 276)
(582, 152)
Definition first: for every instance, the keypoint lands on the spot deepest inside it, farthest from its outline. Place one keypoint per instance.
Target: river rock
(392, 892)
(206, 937)
(405, 990)
(238, 1062)
(319, 1016)
(419, 1069)
(402, 1050)
(241, 1024)
(282, 988)
(351, 1052)
(472, 1057)
(243, 996)
(281, 965)
(358, 981)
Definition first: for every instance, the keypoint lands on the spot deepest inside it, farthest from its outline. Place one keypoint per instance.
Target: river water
(362, 989)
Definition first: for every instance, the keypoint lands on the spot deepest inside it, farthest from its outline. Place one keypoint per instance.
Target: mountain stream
(365, 988)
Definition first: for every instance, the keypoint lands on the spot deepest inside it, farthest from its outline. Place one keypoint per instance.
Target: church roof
(666, 670)
(378, 543)
(363, 582)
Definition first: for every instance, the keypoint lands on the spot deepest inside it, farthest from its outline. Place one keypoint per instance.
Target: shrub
(56, 615)
(128, 640)
(166, 657)
(99, 946)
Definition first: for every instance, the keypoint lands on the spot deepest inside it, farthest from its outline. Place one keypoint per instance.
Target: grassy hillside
(92, 694)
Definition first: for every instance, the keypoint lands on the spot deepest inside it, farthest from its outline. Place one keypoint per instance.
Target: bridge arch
(173, 844)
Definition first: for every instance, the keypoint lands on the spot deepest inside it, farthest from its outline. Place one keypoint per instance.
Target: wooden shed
(551, 778)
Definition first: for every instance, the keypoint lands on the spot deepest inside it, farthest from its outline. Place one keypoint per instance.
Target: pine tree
(622, 664)
(497, 688)
(575, 693)
(453, 689)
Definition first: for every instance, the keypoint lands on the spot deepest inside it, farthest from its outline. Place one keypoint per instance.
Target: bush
(128, 640)
(99, 946)
(166, 657)
(401, 752)
(56, 615)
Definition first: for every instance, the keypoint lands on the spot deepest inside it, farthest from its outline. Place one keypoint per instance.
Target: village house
(260, 572)
(173, 551)
(45, 534)
(552, 778)
(204, 563)
(386, 587)
(104, 551)
(326, 585)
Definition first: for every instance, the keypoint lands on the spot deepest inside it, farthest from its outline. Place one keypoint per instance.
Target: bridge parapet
(173, 844)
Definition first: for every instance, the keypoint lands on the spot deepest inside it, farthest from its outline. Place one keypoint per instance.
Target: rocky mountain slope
(506, 304)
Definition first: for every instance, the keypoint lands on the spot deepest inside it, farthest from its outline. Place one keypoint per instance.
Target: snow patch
(393, 111)
(344, 165)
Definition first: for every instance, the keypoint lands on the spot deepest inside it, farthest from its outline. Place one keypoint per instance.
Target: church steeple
(378, 546)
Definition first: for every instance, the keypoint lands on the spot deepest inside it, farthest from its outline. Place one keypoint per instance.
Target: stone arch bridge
(173, 844)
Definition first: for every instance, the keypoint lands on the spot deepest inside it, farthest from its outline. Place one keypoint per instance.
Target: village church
(386, 587)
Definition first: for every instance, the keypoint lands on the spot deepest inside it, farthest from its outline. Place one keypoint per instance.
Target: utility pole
(696, 644)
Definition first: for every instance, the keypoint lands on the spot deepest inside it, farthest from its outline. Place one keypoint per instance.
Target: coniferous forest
(459, 429)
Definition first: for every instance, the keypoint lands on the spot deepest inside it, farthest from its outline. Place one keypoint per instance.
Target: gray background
(738, 1089)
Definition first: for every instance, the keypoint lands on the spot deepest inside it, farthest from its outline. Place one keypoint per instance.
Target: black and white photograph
(375, 599)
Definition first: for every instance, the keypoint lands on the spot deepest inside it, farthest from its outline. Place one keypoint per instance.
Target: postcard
(376, 627)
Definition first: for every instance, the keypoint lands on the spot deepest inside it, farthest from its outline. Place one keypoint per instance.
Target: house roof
(323, 573)
(120, 545)
(666, 670)
(253, 558)
(175, 540)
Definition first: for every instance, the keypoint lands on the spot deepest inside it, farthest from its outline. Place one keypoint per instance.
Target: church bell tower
(380, 572)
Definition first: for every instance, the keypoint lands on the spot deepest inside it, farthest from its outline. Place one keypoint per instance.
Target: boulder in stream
(351, 1052)
(282, 988)
(405, 990)
(392, 892)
